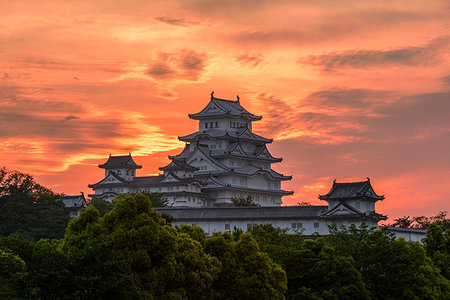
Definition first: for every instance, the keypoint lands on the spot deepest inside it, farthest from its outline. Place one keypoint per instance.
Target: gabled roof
(147, 180)
(351, 211)
(245, 213)
(221, 107)
(119, 162)
(351, 190)
(204, 149)
(74, 201)
(105, 181)
(251, 170)
(178, 164)
(213, 133)
(261, 153)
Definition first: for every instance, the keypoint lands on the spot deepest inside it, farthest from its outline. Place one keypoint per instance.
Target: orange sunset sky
(347, 89)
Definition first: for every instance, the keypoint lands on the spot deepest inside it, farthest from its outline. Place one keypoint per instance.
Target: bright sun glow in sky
(347, 89)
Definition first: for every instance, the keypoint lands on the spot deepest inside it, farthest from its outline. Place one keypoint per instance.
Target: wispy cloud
(408, 56)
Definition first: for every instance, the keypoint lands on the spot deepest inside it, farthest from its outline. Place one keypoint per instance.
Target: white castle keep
(223, 159)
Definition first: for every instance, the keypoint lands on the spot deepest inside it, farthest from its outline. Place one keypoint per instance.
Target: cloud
(349, 98)
(173, 21)
(184, 64)
(70, 117)
(408, 56)
(248, 59)
(446, 80)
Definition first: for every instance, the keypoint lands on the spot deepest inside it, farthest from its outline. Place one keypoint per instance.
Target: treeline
(129, 251)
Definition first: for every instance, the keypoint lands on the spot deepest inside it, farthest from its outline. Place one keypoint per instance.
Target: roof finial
(334, 181)
(129, 153)
(368, 178)
(237, 96)
(212, 94)
(110, 155)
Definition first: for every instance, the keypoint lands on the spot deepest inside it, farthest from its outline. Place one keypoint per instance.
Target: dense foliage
(126, 250)
(244, 201)
(131, 253)
(423, 222)
(358, 263)
(28, 208)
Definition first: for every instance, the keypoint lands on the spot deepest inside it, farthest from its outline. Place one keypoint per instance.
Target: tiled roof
(147, 180)
(244, 213)
(346, 190)
(225, 107)
(119, 162)
(74, 201)
(178, 164)
(219, 133)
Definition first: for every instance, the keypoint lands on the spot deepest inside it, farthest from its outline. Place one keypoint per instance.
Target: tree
(131, 253)
(313, 269)
(157, 199)
(28, 208)
(48, 276)
(246, 272)
(391, 268)
(244, 201)
(437, 247)
(101, 205)
(13, 276)
(316, 272)
(423, 222)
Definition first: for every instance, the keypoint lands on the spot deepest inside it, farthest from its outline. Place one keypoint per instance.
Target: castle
(222, 160)
(225, 159)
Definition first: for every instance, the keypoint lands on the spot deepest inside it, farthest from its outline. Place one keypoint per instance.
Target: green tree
(102, 206)
(423, 222)
(157, 199)
(28, 208)
(437, 247)
(130, 253)
(13, 276)
(244, 201)
(46, 265)
(391, 268)
(316, 272)
(246, 272)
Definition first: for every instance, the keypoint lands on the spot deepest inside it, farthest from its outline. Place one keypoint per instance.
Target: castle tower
(231, 160)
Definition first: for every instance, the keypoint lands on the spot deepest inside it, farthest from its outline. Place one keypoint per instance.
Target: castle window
(211, 124)
(217, 124)
(227, 226)
(316, 225)
(206, 125)
(128, 172)
(299, 225)
(294, 225)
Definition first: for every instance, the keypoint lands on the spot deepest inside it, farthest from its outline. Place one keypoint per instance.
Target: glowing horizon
(347, 89)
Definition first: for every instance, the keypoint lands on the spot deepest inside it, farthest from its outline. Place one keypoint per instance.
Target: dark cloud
(446, 80)
(352, 98)
(16, 98)
(160, 70)
(409, 56)
(248, 59)
(26, 125)
(367, 118)
(185, 64)
(172, 21)
(70, 117)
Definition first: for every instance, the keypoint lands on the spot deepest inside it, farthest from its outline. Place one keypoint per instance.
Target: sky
(347, 89)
